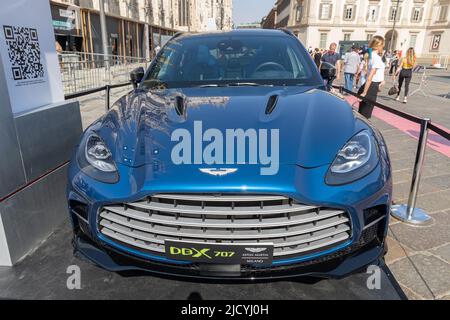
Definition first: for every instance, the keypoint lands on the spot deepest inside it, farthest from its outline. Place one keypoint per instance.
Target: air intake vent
(180, 106)
(271, 104)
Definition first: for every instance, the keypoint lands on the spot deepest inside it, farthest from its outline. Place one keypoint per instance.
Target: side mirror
(136, 76)
(327, 71)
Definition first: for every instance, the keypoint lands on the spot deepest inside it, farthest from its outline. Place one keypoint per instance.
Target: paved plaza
(419, 257)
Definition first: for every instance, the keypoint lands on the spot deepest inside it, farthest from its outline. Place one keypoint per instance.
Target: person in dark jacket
(332, 57)
(317, 57)
(394, 63)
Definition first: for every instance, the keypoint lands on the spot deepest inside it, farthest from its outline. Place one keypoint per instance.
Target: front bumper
(369, 250)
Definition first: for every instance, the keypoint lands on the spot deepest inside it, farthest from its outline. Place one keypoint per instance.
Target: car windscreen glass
(230, 60)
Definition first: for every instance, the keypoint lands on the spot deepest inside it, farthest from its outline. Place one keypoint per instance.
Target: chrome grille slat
(290, 241)
(131, 241)
(160, 248)
(221, 198)
(316, 245)
(293, 228)
(184, 209)
(219, 223)
(145, 226)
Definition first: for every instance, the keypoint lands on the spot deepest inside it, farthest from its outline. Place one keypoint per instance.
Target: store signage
(436, 42)
(28, 55)
(62, 25)
(67, 13)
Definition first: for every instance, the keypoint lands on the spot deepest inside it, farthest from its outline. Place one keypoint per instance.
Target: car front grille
(295, 229)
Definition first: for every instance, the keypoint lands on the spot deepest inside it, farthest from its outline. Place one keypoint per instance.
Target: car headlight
(98, 154)
(95, 159)
(355, 160)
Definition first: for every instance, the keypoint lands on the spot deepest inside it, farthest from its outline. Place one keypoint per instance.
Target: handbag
(393, 90)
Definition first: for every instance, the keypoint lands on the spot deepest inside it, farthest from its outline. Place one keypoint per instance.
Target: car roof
(237, 32)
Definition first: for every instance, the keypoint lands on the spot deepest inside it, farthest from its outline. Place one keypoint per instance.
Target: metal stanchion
(423, 81)
(409, 213)
(107, 97)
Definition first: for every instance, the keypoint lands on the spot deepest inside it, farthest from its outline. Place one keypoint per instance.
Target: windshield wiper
(234, 84)
(248, 84)
(209, 85)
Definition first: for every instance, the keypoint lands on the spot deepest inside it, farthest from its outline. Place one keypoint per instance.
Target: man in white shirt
(351, 64)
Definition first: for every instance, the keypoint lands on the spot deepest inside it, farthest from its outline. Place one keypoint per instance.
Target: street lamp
(393, 26)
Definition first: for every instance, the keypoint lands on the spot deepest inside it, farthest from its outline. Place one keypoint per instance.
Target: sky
(247, 11)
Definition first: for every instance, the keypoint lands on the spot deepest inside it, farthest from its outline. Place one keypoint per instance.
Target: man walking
(332, 57)
(351, 63)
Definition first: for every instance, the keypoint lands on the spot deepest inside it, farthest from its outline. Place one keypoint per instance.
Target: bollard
(108, 91)
(409, 213)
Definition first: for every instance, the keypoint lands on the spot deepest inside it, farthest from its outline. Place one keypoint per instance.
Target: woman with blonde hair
(362, 70)
(375, 76)
(406, 66)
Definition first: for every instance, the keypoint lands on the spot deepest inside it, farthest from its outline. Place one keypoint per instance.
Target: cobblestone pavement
(419, 257)
(93, 106)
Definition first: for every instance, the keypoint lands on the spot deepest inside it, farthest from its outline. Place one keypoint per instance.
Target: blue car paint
(314, 125)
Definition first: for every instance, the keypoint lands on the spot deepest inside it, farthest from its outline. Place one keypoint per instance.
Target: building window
(183, 12)
(349, 12)
(86, 4)
(393, 14)
(443, 10)
(323, 40)
(299, 13)
(133, 9)
(416, 15)
(347, 36)
(372, 13)
(113, 6)
(369, 36)
(413, 40)
(325, 11)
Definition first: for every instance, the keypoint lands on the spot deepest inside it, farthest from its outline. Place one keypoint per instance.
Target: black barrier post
(107, 98)
(409, 213)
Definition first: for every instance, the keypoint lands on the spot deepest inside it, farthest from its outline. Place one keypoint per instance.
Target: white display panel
(28, 53)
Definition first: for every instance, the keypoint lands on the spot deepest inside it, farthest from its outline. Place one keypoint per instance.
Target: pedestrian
(375, 76)
(363, 67)
(317, 57)
(332, 57)
(405, 73)
(393, 63)
(351, 64)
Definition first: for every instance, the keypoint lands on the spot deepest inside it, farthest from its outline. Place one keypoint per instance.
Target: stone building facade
(185, 15)
(422, 24)
(134, 28)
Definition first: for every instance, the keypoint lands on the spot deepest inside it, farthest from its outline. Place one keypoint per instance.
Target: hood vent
(271, 104)
(180, 106)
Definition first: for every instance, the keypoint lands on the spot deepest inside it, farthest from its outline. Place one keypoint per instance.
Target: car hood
(312, 124)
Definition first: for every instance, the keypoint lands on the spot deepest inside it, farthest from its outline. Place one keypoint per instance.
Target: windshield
(232, 60)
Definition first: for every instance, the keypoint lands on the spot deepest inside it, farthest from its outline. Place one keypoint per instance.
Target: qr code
(24, 52)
